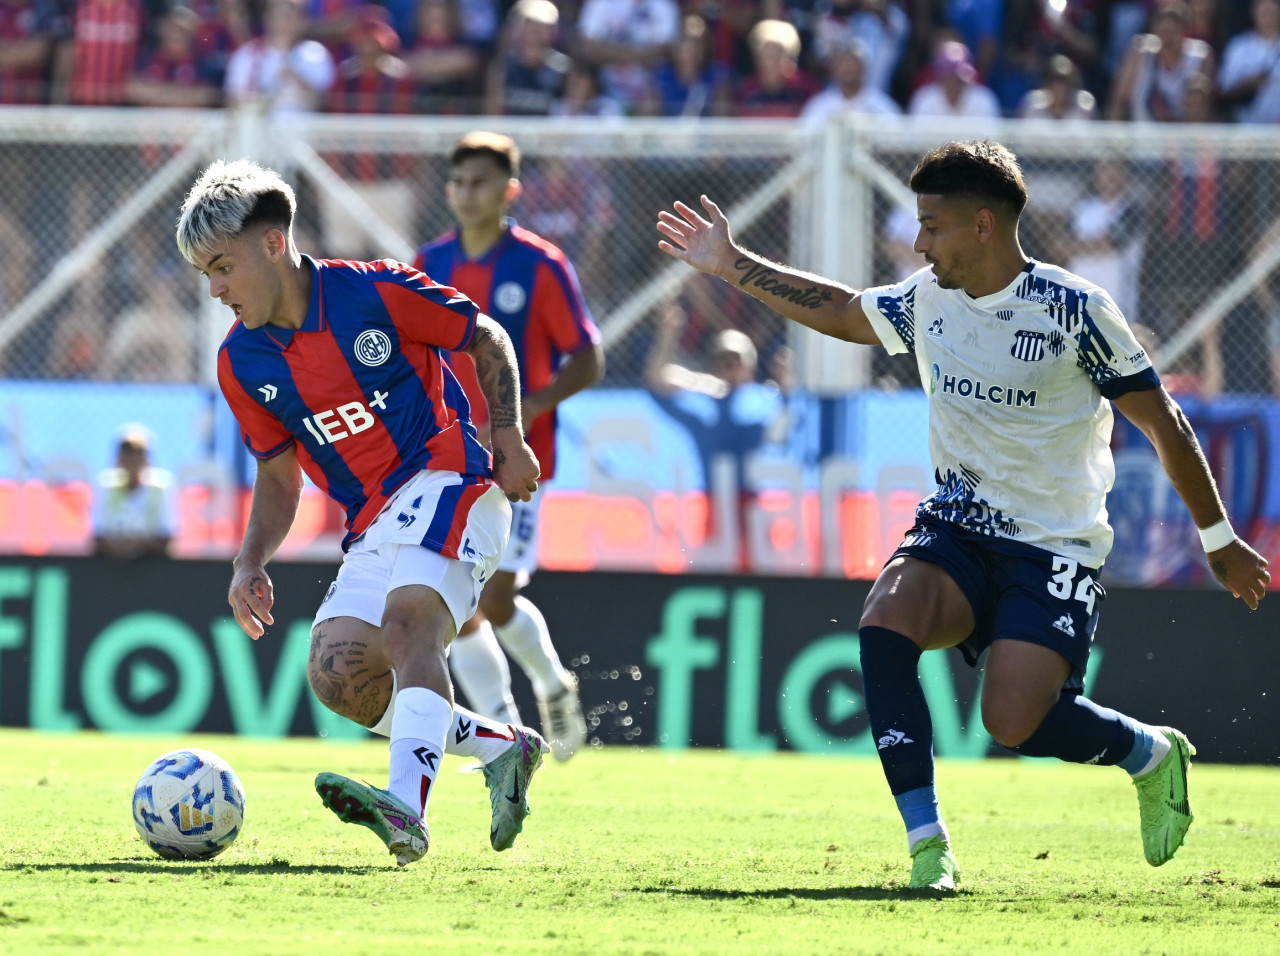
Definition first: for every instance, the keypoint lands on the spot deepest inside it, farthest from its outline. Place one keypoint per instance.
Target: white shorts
(521, 555)
(390, 554)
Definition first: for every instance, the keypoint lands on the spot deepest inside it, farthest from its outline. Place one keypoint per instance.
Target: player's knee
(331, 685)
(1010, 726)
(498, 605)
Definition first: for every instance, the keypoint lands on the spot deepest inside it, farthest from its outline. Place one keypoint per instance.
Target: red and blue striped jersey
(361, 390)
(529, 287)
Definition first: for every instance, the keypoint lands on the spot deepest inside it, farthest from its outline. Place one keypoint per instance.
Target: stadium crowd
(1063, 59)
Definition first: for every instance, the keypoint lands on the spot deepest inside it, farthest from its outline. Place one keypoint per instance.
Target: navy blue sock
(1079, 731)
(896, 708)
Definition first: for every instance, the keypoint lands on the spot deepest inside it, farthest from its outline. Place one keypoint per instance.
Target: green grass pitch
(631, 851)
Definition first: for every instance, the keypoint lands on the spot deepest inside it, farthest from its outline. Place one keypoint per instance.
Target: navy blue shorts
(1017, 591)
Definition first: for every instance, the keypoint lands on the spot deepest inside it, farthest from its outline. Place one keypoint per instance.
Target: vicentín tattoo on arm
(764, 279)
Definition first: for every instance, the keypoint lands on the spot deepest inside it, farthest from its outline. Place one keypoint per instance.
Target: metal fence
(1181, 223)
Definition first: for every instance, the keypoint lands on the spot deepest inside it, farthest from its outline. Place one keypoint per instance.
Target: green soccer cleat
(508, 778)
(933, 867)
(395, 823)
(1162, 798)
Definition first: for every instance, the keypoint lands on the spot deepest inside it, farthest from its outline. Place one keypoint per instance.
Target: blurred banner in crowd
(672, 661)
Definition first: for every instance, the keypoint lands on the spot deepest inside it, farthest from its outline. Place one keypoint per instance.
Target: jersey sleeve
(263, 434)
(561, 308)
(425, 311)
(1108, 351)
(891, 310)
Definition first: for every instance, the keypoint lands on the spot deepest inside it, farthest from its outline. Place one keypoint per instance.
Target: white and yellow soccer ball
(188, 805)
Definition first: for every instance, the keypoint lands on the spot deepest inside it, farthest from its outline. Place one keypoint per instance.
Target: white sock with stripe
(480, 669)
(419, 728)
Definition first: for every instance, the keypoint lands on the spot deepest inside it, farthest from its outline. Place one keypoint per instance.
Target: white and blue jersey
(1019, 432)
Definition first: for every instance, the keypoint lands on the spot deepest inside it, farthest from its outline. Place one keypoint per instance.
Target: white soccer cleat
(562, 721)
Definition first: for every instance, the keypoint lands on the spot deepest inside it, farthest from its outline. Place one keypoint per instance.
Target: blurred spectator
(446, 70)
(28, 31)
(1152, 82)
(1036, 33)
(778, 87)
(978, 22)
(1060, 98)
(723, 409)
(373, 79)
(282, 70)
(94, 66)
(132, 513)
(627, 39)
(1108, 235)
(848, 92)
(1249, 80)
(530, 73)
(583, 97)
(174, 75)
(955, 90)
(691, 84)
(880, 25)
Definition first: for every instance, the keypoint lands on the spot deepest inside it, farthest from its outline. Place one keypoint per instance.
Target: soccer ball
(188, 805)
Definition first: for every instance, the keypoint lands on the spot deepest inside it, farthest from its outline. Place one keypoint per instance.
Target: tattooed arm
(1240, 569)
(276, 492)
(821, 304)
(515, 469)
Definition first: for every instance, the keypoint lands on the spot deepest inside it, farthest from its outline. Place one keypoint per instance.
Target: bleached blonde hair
(226, 199)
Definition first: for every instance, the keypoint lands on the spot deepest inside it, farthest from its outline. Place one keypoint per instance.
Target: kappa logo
(509, 297)
(1028, 346)
(936, 328)
(268, 392)
(891, 738)
(372, 347)
(1064, 625)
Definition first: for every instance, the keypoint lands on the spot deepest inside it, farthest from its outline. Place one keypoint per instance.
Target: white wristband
(1217, 536)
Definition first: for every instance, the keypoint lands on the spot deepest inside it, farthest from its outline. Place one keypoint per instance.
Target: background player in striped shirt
(1022, 362)
(336, 369)
(529, 286)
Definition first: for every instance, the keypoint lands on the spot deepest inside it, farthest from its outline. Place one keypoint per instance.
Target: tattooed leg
(348, 670)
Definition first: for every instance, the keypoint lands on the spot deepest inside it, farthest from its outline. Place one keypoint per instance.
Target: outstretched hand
(704, 244)
(251, 597)
(1242, 571)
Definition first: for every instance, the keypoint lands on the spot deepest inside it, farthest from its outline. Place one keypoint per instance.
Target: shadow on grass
(114, 867)
(829, 893)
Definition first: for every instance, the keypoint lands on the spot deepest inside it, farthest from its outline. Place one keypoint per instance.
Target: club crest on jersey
(509, 297)
(373, 347)
(1028, 346)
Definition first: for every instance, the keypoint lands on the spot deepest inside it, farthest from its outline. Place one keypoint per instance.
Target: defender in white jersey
(1022, 362)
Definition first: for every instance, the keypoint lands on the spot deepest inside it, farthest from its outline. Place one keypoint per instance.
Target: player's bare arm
(1240, 569)
(706, 244)
(580, 370)
(515, 469)
(277, 490)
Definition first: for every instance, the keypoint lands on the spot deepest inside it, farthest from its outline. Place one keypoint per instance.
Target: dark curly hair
(984, 171)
